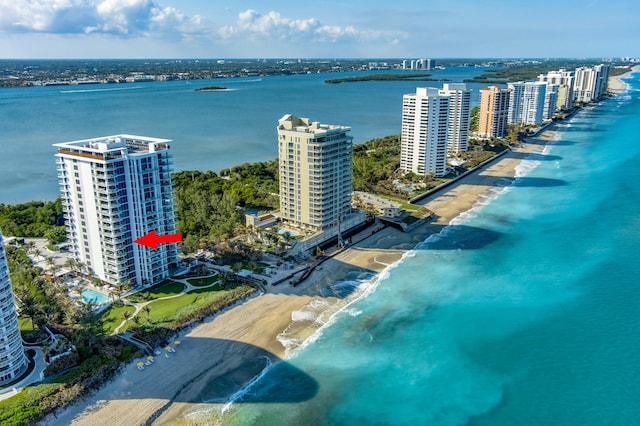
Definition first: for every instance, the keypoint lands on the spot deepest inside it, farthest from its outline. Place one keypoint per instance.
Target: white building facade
(550, 101)
(425, 132)
(459, 116)
(590, 84)
(526, 103)
(13, 361)
(564, 80)
(116, 189)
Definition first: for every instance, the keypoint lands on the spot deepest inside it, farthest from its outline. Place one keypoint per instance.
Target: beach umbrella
(150, 358)
(177, 342)
(168, 348)
(140, 364)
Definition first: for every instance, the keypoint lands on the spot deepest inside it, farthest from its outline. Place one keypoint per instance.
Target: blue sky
(319, 28)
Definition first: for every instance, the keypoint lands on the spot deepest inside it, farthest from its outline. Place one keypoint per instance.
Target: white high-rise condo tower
(13, 361)
(526, 103)
(425, 124)
(116, 189)
(459, 116)
(564, 80)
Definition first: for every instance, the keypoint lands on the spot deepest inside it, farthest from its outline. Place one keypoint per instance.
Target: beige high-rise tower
(494, 111)
(315, 173)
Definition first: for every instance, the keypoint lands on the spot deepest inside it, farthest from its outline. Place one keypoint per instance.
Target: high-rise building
(526, 103)
(550, 101)
(603, 80)
(590, 84)
(459, 116)
(494, 111)
(425, 123)
(564, 80)
(116, 189)
(13, 361)
(315, 173)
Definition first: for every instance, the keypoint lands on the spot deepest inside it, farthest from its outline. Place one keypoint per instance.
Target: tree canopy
(32, 219)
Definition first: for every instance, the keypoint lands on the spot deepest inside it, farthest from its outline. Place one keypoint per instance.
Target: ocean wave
(246, 389)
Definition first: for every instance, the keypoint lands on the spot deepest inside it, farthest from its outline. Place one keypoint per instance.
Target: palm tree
(31, 309)
(126, 315)
(113, 293)
(147, 310)
(70, 264)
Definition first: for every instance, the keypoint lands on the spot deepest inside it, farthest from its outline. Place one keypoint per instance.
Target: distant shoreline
(384, 77)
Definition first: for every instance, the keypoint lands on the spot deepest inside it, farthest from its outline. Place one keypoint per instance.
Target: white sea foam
(246, 389)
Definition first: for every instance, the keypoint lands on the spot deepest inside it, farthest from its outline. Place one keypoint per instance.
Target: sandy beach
(615, 83)
(217, 358)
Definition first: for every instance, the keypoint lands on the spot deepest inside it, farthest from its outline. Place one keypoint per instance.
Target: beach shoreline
(233, 347)
(616, 85)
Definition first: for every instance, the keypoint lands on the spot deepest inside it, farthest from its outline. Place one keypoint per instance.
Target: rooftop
(298, 124)
(116, 143)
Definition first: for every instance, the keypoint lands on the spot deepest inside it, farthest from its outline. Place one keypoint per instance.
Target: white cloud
(273, 25)
(117, 17)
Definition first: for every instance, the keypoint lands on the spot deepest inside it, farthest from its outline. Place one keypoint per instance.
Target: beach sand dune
(228, 350)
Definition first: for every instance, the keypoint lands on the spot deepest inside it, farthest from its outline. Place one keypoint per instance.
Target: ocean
(211, 130)
(525, 311)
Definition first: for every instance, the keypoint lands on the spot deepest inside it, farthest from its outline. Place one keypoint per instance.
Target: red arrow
(152, 239)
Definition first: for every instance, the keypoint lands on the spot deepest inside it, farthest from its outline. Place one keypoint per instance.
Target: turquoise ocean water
(524, 312)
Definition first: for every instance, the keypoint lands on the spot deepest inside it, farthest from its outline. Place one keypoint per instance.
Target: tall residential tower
(459, 116)
(590, 84)
(526, 104)
(425, 123)
(315, 173)
(13, 361)
(116, 189)
(494, 111)
(564, 80)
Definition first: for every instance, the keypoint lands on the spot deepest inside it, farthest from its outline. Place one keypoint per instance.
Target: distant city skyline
(323, 29)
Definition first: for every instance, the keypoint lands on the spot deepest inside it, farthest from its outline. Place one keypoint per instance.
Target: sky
(67, 29)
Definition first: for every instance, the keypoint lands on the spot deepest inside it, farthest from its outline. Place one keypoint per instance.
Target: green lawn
(25, 324)
(202, 282)
(167, 308)
(164, 289)
(112, 318)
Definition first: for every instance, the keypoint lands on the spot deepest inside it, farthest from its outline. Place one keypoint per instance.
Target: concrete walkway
(35, 376)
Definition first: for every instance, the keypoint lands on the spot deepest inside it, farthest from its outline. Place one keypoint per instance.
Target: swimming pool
(94, 297)
(291, 232)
